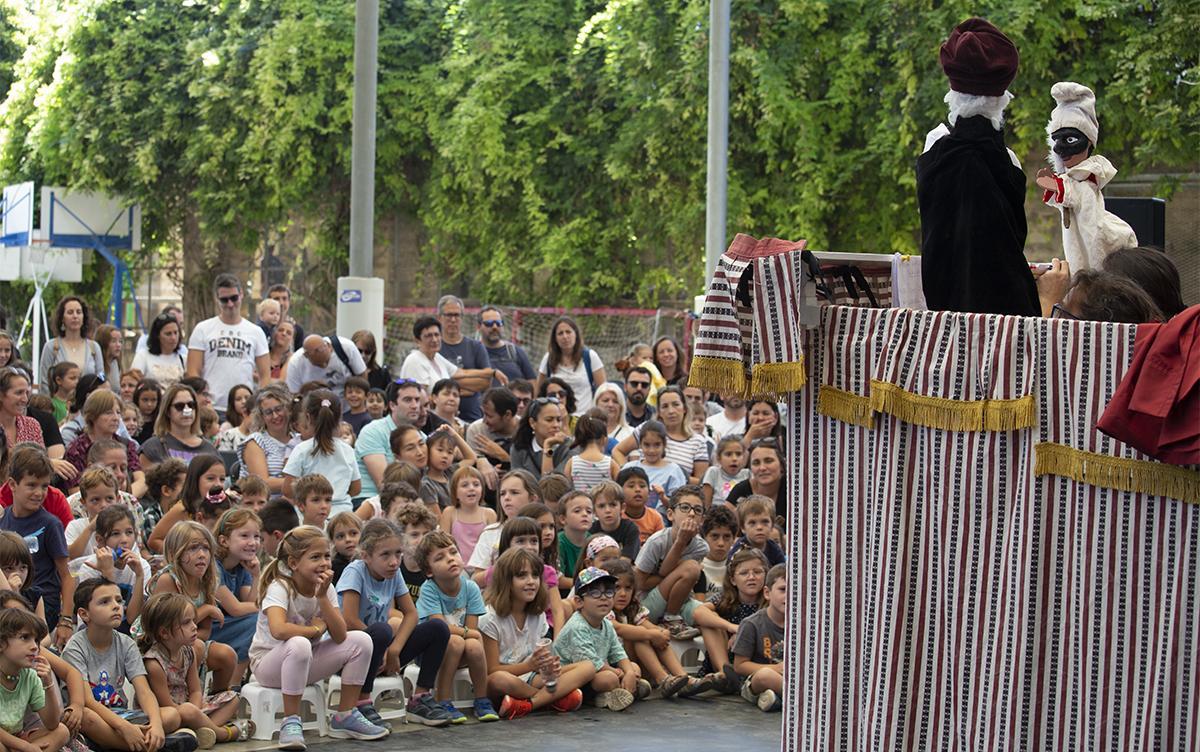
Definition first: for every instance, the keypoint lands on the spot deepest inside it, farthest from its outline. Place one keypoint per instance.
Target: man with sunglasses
(638, 383)
(506, 357)
(228, 350)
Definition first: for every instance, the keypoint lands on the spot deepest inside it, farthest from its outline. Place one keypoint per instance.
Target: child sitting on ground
(107, 658)
(649, 643)
(589, 636)
(203, 487)
(164, 486)
(32, 703)
(97, 492)
(668, 566)
(758, 646)
(719, 617)
(449, 595)
(756, 516)
(575, 514)
(523, 532)
(375, 599)
(663, 475)
(167, 645)
(635, 485)
(718, 530)
(519, 659)
(608, 503)
(288, 653)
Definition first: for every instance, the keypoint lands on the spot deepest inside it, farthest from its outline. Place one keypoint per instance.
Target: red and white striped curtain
(954, 584)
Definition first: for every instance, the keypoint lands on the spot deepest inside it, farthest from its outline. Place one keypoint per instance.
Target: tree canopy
(552, 152)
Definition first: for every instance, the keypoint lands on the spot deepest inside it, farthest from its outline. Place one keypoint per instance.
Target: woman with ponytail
(325, 454)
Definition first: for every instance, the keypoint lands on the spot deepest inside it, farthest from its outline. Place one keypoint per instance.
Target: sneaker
(425, 710)
(733, 680)
(568, 703)
(456, 716)
(291, 734)
(484, 711)
(206, 738)
(512, 708)
(614, 699)
(180, 741)
(768, 701)
(680, 630)
(671, 685)
(697, 685)
(643, 689)
(353, 725)
(371, 714)
(722, 682)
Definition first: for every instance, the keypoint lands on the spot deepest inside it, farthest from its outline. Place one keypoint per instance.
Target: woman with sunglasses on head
(177, 430)
(541, 445)
(266, 452)
(72, 324)
(559, 389)
(164, 358)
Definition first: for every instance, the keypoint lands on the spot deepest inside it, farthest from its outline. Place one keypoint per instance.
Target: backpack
(336, 342)
(587, 366)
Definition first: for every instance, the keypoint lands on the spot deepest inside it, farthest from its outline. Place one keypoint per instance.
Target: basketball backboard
(17, 225)
(81, 219)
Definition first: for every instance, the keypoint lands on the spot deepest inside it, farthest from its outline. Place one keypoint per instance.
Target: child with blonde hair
(97, 492)
(301, 637)
(523, 672)
(517, 488)
(466, 519)
(167, 644)
(239, 537)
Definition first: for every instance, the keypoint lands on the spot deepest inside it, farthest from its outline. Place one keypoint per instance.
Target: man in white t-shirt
(426, 364)
(227, 350)
(317, 361)
(731, 421)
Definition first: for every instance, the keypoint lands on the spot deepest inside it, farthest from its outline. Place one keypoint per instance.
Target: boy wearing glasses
(228, 350)
(589, 636)
(668, 567)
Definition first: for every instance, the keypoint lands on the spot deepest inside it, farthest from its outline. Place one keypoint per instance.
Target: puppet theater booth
(972, 564)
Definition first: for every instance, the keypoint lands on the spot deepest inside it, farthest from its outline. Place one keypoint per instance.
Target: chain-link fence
(608, 331)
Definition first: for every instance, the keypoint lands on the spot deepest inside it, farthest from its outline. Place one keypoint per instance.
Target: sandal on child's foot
(671, 685)
(238, 731)
(696, 685)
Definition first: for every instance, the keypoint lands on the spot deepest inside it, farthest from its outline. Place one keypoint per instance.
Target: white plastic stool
(382, 684)
(462, 694)
(689, 652)
(266, 709)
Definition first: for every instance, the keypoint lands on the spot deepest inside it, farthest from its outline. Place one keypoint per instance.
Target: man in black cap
(970, 187)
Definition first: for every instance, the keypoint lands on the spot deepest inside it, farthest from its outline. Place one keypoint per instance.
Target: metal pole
(362, 149)
(718, 135)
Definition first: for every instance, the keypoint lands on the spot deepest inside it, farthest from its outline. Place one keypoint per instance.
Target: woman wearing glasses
(265, 453)
(541, 446)
(177, 430)
(72, 323)
(165, 357)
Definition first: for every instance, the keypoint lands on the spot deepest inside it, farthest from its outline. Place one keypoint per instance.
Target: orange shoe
(512, 708)
(569, 702)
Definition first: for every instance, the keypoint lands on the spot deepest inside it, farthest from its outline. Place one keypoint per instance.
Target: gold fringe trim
(952, 415)
(1136, 476)
(847, 407)
(719, 375)
(775, 380)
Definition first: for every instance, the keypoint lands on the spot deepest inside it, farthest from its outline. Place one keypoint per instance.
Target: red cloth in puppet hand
(1156, 408)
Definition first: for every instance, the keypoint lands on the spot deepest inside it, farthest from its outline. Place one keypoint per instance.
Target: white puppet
(1074, 185)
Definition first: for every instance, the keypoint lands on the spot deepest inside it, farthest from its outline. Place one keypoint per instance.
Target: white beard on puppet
(970, 105)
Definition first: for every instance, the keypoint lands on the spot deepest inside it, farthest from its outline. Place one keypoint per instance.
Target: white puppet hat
(1075, 108)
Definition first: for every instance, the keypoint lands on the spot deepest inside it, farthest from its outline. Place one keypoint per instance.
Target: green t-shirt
(60, 410)
(568, 555)
(580, 641)
(28, 695)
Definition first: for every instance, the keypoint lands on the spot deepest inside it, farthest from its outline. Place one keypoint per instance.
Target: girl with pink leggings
(301, 638)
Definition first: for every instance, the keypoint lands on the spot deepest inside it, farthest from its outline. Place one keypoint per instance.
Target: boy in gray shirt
(668, 566)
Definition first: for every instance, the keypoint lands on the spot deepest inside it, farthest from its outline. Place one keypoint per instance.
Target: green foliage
(554, 152)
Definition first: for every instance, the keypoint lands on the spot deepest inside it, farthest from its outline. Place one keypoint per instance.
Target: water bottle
(550, 677)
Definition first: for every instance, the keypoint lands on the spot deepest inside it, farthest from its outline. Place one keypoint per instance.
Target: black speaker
(1147, 217)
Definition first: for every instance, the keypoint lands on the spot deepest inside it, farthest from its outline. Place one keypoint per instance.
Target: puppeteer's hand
(1046, 179)
(1052, 285)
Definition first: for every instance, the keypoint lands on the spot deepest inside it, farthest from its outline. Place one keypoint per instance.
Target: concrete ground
(719, 723)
